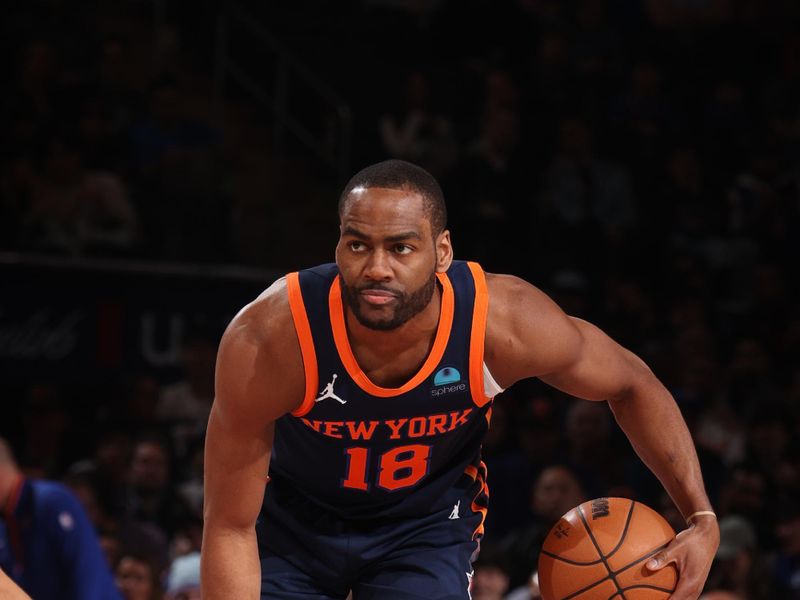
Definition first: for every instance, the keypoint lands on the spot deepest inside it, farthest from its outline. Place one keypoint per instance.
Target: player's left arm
(528, 335)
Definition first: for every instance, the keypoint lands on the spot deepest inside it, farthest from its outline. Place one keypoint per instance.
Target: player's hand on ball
(692, 552)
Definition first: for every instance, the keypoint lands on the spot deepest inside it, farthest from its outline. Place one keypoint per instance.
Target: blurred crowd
(638, 160)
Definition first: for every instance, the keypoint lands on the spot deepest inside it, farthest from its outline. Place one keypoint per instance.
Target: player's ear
(444, 251)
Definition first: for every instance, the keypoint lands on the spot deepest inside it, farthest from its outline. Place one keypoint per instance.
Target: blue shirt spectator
(47, 544)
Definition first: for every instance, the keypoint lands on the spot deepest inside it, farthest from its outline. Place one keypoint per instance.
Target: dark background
(163, 162)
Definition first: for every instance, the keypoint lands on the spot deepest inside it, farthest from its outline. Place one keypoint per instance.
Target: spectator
(415, 132)
(583, 188)
(47, 423)
(184, 405)
(16, 185)
(556, 491)
(484, 183)
(138, 578)
(189, 399)
(490, 577)
(116, 86)
(47, 544)
(786, 563)
(645, 115)
(192, 487)
(527, 591)
(588, 201)
(183, 580)
(738, 566)
(745, 494)
(590, 448)
(116, 532)
(77, 211)
(178, 178)
(38, 94)
(111, 545)
(151, 496)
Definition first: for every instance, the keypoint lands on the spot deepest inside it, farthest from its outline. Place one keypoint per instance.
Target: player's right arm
(259, 378)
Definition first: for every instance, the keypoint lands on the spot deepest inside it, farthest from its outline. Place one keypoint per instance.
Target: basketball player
(365, 388)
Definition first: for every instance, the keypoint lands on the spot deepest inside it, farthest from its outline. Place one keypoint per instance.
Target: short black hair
(399, 174)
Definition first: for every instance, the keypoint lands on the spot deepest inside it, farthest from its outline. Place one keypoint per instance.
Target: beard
(406, 305)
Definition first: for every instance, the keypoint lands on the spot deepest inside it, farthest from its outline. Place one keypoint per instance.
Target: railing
(176, 271)
(333, 147)
(91, 320)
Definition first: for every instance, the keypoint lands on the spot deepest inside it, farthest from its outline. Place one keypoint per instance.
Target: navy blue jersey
(362, 451)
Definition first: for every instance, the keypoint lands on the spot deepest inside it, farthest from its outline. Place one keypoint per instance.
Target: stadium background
(162, 162)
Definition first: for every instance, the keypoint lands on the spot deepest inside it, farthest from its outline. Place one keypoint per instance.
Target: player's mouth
(377, 297)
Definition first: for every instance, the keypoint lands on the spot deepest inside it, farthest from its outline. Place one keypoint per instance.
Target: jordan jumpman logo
(327, 392)
(454, 513)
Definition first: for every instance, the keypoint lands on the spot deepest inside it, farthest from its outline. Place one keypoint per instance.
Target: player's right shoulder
(267, 319)
(259, 363)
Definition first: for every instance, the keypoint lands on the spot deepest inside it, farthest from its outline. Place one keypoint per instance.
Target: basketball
(598, 550)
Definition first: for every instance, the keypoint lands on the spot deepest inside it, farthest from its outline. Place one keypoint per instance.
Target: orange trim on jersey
(481, 475)
(349, 360)
(479, 313)
(303, 329)
(472, 472)
(489, 417)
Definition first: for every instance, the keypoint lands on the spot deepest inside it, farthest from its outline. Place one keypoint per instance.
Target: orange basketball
(598, 550)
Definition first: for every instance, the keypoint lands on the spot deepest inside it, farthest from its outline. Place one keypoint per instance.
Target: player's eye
(357, 246)
(402, 249)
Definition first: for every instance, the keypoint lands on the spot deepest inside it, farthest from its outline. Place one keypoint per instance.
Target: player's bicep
(600, 369)
(528, 335)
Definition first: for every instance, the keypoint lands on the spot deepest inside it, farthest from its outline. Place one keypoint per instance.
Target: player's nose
(378, 267)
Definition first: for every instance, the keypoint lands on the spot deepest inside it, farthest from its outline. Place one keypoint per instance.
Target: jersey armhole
(303, 330)
(477, 335)
(490, 386)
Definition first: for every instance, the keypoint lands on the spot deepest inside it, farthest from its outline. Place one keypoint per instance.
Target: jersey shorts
(308, 553)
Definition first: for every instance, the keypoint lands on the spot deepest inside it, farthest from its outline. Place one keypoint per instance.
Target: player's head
(392, 242)
(401, 175)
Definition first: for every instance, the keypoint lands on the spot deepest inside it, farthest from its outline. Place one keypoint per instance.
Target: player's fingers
(661, 560)
(689, 585)
(690, 582)
(672, 553)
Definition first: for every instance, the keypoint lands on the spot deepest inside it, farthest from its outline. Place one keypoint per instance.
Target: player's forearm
(656, 429)
(229, 565)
